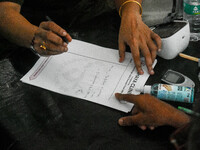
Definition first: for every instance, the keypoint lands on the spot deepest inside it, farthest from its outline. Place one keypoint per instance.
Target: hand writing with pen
(48, 39)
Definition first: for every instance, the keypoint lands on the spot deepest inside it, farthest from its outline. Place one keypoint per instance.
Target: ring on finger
(43, 46)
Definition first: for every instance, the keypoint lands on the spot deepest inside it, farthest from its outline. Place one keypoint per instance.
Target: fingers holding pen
(49, 39)
(49, 36)
(52, 26)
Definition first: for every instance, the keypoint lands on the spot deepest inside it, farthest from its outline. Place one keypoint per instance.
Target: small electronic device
(175, 38)
(176, 78)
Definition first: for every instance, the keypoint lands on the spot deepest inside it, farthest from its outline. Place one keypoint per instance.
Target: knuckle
(60, 30)
(130, 121)
(59, 40)
(125, 96)
(36, 41)
(134, 41)
(62, 49)
(42, 23)
(142, 40)
(37, 31)
(48, 35)
(135, 55)
(147, 55)
(148, 62)
(50, 24)
(138, 64)
(149, 65)
(157, 37)
(154, 48)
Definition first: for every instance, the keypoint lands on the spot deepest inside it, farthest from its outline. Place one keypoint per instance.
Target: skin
(15, 28)
(150, 112)
(133, 32)
(138, 36)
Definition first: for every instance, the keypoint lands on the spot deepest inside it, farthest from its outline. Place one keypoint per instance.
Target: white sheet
(89, 72)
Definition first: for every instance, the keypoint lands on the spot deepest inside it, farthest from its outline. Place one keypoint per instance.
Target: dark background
(32, 118)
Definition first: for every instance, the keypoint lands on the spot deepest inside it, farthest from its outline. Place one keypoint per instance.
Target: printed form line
(120, 79)
(40, 68)
(97, 59)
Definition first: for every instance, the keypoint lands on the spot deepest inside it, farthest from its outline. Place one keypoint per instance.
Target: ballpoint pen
(63, 37)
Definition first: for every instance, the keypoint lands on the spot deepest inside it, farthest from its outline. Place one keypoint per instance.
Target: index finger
(122, 49)
(127, 97)
(136, 56)
(52, 26)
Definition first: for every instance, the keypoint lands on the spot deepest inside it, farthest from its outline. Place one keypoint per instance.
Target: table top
(33, 118)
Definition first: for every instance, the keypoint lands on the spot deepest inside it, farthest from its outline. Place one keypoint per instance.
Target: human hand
(138, 36)
(49, 34)
(151, 112)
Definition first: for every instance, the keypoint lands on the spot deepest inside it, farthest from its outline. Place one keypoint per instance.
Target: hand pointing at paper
(151, 112)
(137, 35)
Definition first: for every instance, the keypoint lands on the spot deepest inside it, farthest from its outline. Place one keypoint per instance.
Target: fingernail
(152, 72)
(64, 33)
(152, 128)
(116, 94)
(120, 59)
(66, 49)
(121, 122)
(65, 44)
(159, 50)
(141, 72)
(143, 127)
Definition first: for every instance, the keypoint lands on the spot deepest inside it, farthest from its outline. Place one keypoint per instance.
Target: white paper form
(88, 72)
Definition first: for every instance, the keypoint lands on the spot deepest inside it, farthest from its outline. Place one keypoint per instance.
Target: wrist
(130, 8)
(178, 119)
(32, 46)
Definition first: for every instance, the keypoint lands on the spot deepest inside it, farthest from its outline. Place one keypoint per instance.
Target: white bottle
(169, 92)
(191, 12)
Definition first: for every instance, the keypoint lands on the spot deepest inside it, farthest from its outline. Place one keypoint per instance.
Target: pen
(63, 38)
(189, 111)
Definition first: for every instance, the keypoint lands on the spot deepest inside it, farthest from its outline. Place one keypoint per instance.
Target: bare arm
(14, 26)
(17, 29)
